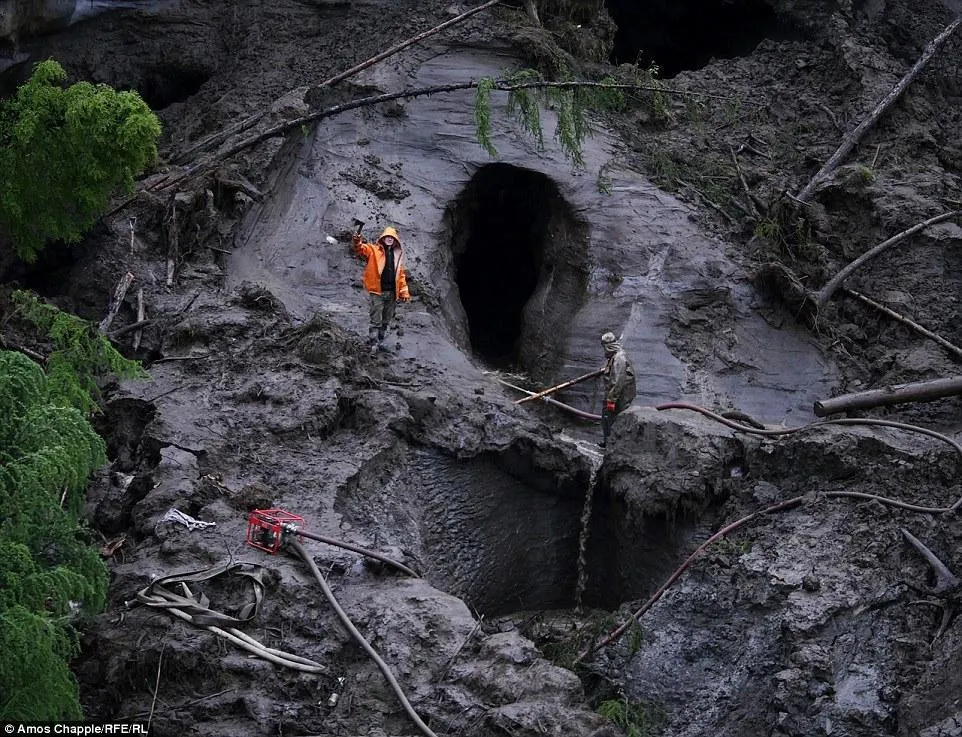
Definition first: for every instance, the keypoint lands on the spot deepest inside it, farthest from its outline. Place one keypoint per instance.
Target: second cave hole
(686, 34)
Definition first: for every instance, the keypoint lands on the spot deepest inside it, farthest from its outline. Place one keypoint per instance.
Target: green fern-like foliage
(80, 354)
(63, 152)
(524, 107)
(636, 718)
(47, 566)
(482, 115)
(35, 680)
(528, 92)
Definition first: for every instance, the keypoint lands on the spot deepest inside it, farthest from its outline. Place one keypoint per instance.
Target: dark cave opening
(498, 268)
(163, 86)
(518, 261)
(679, 35)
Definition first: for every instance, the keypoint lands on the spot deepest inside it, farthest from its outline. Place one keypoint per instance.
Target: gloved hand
(609, 406)
(356, 239)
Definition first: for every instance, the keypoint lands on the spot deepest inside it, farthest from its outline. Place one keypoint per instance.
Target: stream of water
(583, 535)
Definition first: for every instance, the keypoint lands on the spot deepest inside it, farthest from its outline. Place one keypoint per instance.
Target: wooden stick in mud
(951, 347)
(923, 391)
(173, 237)
(553, 389)
(133, 327)
(141, 317)
(748, 192)
(120, 291)
(567, 407)
(826, 292)
(850, 141)
(532, 10)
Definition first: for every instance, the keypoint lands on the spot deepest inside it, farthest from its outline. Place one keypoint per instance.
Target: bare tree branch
(218, 138)
(826, 292)
(951, 347)
(850, 141)
(287, 126)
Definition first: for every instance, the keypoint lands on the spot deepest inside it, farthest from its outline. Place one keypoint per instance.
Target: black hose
(355, 633)
(358, 549)
(844, 421)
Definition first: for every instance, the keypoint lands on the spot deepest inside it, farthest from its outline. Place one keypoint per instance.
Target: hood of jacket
(389, 231)
(610, 344)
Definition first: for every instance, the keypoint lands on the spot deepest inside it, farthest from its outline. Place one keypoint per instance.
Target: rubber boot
(607, 418)
(380, 340)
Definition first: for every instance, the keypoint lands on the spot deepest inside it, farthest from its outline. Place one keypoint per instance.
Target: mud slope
(262, 393)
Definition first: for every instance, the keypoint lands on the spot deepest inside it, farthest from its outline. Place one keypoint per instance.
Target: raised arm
(361, 248)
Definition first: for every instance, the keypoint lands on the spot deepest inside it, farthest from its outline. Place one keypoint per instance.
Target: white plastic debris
(332, 240)
(175, 515)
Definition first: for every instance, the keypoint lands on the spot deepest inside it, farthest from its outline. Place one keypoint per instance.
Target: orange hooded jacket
(374, 253)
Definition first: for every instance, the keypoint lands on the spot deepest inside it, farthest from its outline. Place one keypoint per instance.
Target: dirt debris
(801, 624)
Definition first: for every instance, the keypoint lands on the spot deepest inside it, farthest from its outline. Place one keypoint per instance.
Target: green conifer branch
(63, 152)
(47, 565)
(80, 354)
(482, 114)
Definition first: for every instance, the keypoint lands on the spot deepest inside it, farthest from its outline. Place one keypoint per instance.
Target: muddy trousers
(608, 418)
(382, 312)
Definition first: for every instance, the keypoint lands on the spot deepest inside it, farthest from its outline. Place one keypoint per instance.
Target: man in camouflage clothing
(619, 378)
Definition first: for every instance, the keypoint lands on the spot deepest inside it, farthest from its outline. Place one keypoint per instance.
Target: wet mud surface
(262, 393)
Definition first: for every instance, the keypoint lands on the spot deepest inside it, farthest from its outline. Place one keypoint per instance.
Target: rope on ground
(781, 506)
(355, 633)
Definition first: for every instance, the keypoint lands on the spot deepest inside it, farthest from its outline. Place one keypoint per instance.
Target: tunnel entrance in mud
(161, 87)
(519, 261)
(679, 35)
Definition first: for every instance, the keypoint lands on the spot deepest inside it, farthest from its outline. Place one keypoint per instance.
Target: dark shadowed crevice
(519, 263)
(502, 533)
(630, 554)
(502, 539)
(679, 35)
(162, 86)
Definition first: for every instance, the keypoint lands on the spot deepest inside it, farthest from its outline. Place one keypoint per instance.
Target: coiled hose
(355, 633)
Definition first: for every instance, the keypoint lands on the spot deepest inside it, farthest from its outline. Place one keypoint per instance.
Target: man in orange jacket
(384, 279)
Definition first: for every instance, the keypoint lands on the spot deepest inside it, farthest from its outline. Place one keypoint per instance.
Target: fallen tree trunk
(120, 291)
(924, 391)
(826, 292)
(297, 123)
(409, 42)
(850, 141)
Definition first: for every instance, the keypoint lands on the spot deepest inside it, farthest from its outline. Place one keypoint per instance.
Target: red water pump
(266, 528)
